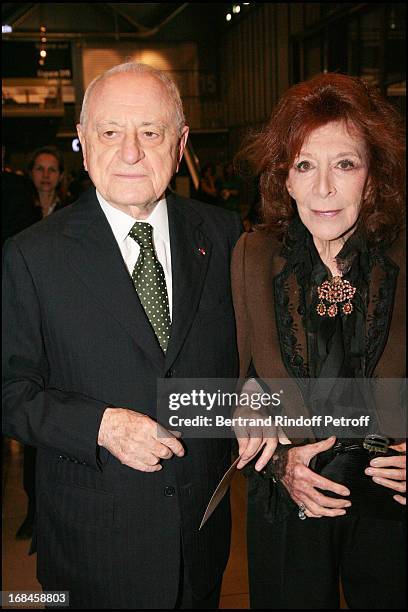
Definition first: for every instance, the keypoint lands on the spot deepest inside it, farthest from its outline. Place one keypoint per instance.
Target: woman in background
(46, 171)
(319, 292)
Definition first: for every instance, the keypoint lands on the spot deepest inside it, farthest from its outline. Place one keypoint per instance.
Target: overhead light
(43, 53)
(5, 29)
(43, 39)
(228, 16)
(43, 29)
(236, 8)
(75, 144)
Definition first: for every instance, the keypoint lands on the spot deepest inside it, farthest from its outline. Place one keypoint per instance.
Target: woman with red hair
(319, 296)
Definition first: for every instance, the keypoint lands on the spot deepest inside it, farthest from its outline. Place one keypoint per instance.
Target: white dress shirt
(121, 224)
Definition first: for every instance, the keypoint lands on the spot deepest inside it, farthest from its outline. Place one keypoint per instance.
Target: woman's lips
(327, 214)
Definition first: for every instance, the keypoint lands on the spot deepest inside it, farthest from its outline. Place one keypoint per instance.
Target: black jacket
(77, 340)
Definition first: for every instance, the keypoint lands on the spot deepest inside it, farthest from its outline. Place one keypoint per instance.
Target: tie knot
(143, 234)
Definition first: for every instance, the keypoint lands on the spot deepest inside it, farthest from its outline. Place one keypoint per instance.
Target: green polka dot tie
(150, 283)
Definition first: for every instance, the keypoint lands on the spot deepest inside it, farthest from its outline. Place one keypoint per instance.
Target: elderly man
(127, 285)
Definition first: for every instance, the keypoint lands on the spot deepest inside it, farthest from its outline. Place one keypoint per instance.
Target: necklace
(335, 291)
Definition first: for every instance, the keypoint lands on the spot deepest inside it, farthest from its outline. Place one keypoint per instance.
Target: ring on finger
(301, 512)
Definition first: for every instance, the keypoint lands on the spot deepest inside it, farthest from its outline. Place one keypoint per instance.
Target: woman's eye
(346, 164)
(303, 166)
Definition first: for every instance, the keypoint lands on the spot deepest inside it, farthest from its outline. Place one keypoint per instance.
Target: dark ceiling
(142, 20)
(86, 17)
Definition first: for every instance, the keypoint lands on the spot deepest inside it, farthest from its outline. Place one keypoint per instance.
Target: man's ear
(182, 145)
(81, 136)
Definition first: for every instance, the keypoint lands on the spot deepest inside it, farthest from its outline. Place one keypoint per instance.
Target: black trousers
(186, 600)
(295, 564)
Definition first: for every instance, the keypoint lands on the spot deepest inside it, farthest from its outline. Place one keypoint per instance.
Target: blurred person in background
(46, 171)
(80, 182)
(230, 188)
(17, 211)
(208, 190)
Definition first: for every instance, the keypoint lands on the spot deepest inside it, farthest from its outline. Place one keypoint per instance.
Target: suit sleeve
(240, 306)
(33, 412)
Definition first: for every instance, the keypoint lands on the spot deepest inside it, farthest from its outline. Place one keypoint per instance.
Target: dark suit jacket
(76, 340)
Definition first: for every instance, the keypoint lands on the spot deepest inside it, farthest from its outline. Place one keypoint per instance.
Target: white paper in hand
(220, 491)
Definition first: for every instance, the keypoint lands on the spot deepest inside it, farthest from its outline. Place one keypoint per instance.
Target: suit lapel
(96, 259)
(190, 255)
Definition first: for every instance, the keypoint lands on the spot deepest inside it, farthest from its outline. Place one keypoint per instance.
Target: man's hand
(301, 482)
(391, 472)
(133, 438)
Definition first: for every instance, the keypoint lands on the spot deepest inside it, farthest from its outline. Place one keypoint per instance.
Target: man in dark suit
(126, 286)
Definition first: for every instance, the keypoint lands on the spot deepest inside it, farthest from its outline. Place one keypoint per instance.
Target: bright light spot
(43, 53)
(228, 16)
(236, 8)
(5, 29)
(43, 29)
(75, 145)
(44, 39)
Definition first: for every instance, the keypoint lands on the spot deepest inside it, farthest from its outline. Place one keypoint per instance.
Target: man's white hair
(137, 68)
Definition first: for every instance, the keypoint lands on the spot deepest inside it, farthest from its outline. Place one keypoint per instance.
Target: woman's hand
(251, 438)
(301, 482)
(391, 472)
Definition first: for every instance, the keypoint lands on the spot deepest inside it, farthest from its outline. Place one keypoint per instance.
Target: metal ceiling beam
(135, 24)
(21, 14)
(146, 33)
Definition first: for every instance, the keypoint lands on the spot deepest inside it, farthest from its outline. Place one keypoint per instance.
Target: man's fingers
(141, 466)
(400, 499)
(166, 438)
(162, 452)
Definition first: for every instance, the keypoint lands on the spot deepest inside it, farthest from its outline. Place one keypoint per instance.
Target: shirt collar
(121, 223)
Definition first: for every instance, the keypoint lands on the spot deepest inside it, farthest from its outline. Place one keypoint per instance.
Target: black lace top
(345, 346)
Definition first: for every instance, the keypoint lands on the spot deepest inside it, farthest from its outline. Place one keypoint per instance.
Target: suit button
(169, 374)
(169, 491)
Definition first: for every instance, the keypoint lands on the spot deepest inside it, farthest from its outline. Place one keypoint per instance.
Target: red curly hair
(310, 105)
